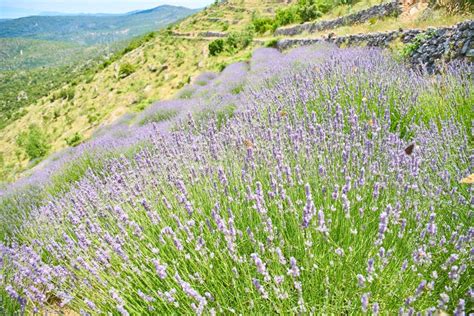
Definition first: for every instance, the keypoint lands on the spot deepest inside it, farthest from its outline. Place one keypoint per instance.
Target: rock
(465, 47)
(470, 53)
(152, 68)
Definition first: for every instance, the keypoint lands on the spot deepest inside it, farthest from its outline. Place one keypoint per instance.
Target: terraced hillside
(160, 67)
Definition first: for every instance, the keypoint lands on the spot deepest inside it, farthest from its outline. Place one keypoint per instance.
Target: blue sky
(18, 8)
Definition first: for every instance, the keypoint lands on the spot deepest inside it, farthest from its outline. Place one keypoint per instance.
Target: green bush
(309, 10)
(235, 41)
(300, 12)
(239, 40)
(287, 16)
(216, 47)
(126, 70)
(34, 142)
(74, 140)
(272, 43)
(262, 25)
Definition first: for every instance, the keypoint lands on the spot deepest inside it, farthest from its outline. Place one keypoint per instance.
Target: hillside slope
(161, 66)
(157, 70)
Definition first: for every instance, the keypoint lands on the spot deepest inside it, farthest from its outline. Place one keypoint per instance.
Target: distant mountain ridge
(93, 29)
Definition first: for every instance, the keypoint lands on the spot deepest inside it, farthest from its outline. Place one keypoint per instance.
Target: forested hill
(92, 29)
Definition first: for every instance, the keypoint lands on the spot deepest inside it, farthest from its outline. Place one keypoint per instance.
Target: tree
(34, 142)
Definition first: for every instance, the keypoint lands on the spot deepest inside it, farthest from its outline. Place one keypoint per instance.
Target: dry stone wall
(435, 44)
(388, 9)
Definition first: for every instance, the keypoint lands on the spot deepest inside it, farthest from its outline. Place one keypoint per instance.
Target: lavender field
(282, 185)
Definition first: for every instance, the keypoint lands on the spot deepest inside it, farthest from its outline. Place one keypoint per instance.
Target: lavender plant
(304, 202)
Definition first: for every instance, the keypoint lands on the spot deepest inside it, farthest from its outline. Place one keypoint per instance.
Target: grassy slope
(106, 97)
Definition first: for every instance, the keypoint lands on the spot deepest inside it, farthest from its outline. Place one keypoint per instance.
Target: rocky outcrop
(388, 9)
(427, 47)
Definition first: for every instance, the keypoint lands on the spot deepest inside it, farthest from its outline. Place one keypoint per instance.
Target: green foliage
(159, 116)
(287, 16)
(233, 43)
(126, 69)
(311, 9)
(34, 142)
(408, 49)
(300, 12)
(262, 25)
(74, 140)
(236, 41)
(216, 47)
(272, 43)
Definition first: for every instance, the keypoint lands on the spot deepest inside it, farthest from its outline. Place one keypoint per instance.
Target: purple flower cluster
(305, 201)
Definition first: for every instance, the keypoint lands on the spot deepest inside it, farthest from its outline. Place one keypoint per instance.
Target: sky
(18, 8)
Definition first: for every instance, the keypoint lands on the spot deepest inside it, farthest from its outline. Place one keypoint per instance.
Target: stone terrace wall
(447, 43)
(212, 34)
(388, 9)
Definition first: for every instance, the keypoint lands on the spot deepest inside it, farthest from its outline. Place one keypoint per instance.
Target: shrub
(34, 142)
(126, 70)
(74, 140)
(239, 40)
(308, 10)
(63, 94)
(235, 41)
(67, 94)
(272, 43)
(287, 16)
(262, 25)
(216, 47)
